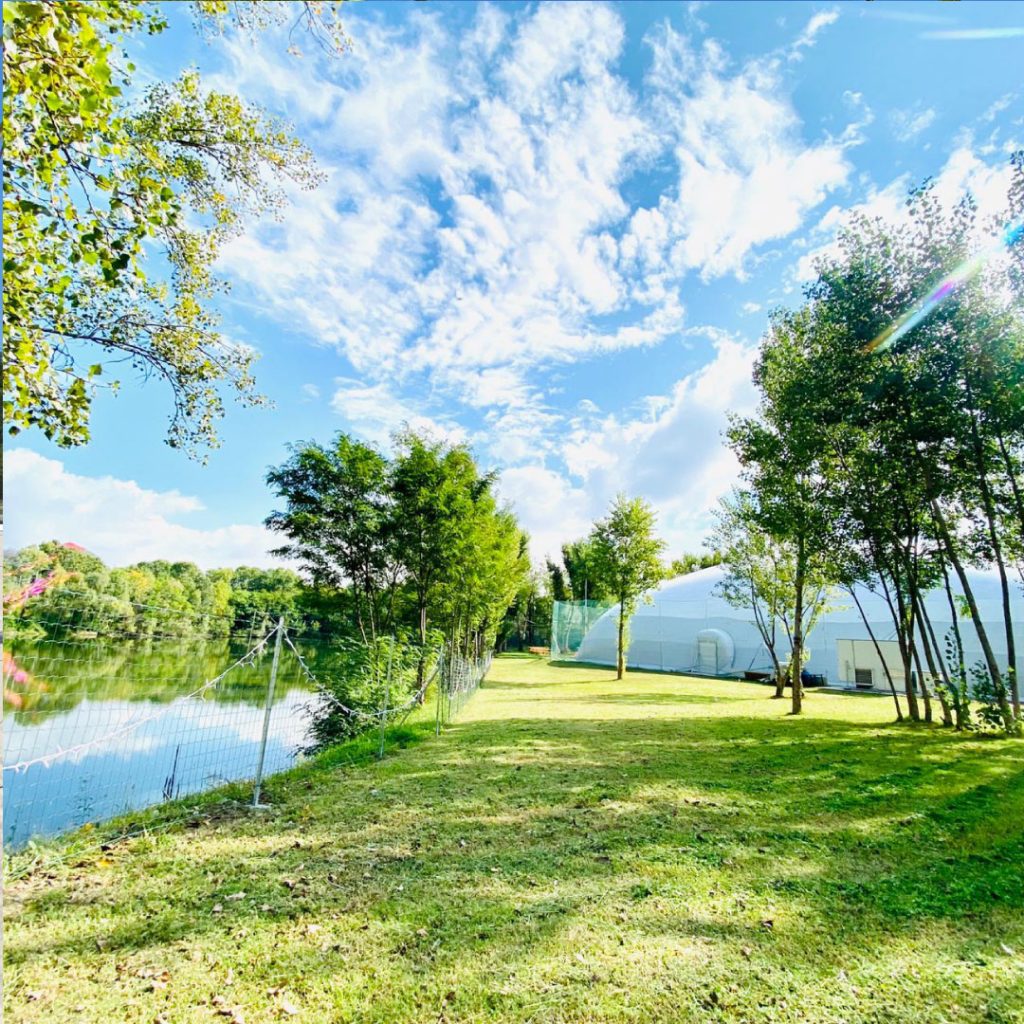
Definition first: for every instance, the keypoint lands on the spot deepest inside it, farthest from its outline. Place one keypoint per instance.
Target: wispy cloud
(376, 412)
(809, 36)
(475, 227)
(962, 172)
(908, 124)
(1004, 32)
(996, 108)
(746, 175)
(889, 13)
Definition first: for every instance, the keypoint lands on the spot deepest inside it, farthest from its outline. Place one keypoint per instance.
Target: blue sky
(552, 232)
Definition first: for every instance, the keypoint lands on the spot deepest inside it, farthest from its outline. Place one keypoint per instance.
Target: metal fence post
(387, 691)
(439, 684)
(279, 630)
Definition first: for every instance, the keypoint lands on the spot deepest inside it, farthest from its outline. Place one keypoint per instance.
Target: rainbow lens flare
(949, 284)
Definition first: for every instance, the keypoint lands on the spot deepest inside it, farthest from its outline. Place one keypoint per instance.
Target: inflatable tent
(689, 628)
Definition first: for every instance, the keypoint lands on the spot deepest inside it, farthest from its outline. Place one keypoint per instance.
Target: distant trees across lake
(59, 587)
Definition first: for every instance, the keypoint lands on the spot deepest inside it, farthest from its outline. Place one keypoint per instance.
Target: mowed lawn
(572, 848)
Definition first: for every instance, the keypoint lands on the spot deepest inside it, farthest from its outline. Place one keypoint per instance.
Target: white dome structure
(688, 627)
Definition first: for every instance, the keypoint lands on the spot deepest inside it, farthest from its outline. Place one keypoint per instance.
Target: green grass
(571, 849)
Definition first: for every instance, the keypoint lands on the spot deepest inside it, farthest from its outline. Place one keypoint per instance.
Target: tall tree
(627, 557)
(785, 464)
(336, 519)
(897, 438)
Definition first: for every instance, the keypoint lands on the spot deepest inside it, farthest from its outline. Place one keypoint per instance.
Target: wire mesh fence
(460, 678)
(98, 723)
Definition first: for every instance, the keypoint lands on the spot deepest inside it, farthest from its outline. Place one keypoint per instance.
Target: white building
(688, 627)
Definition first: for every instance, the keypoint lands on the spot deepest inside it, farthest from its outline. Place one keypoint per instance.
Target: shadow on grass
(500, 838)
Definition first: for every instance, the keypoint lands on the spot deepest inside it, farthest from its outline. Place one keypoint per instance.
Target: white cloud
(996, 108)
(888, 204)
(666, 452)
(548, 507)
(818, 21)
(375, 413)
(474, 226)
(1004, 32)
(672, 453)
(117, 519)
(463, 228)
(745, 175)
(476, 231)
(911, 17)
(908, 124)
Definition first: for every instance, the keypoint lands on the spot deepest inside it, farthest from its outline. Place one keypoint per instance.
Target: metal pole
(279, 630)
(387, 690)
(440, 680)
(453, 682)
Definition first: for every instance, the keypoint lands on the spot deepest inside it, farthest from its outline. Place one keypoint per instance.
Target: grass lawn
(571, 849)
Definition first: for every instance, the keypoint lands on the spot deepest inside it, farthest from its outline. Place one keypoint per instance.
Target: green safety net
(570, 623)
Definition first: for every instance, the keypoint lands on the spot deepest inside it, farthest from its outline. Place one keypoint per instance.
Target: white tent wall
(688, 627)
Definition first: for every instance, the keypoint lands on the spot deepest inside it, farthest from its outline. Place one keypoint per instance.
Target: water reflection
(132, 735)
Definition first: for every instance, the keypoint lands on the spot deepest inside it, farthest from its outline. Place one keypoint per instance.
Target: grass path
(571, 849)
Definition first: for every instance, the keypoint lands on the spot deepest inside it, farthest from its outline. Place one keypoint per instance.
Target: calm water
(133, 738)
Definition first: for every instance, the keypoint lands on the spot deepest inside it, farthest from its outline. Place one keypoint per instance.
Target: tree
(433, 488)
(783, 461)
(528, 619)
(336, 519)
(929, 423)
(758, 576)
(580, 561)
(891, 429)
(55, 588)
(117, 202)
(627, 561)
(690, 562)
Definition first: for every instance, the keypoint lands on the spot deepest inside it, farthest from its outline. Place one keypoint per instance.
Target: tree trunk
(881, 657)
(620, 660)
(961, 706)
(922, 684)
(899, 619)
(768, 636)
(915, 628)
(936, 666)
(796, 660)
(997, 551)
(421, 665)
(990, 659)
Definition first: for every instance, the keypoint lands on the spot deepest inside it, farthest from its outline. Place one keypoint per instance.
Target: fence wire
(97, 724)
(460, 678)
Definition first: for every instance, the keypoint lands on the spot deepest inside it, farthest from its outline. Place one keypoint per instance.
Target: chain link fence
(97, 725)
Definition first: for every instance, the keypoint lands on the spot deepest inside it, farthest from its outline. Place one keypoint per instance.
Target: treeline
(58, 587)
(889, 444)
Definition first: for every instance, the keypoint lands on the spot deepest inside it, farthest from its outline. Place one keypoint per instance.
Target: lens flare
(949, 284)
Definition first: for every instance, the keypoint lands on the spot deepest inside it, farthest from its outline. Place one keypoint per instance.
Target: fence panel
(98, 724)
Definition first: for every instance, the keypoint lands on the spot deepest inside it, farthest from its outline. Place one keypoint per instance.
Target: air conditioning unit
(864, 678)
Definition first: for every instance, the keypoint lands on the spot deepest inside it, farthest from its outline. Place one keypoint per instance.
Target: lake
(131, 735)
